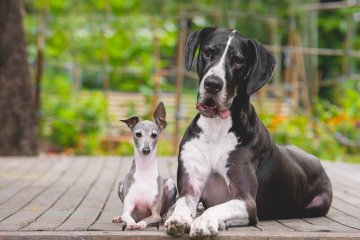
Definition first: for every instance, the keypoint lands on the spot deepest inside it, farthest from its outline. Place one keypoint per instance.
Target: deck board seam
(348, 203)
(345, 212)
(38, 194)
(31, 167)
(85, 195)
(107, 197)
(330, 218)
(84, 167)
(291, 228)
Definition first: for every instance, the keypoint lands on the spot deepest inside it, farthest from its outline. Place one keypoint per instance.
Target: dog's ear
(193, 43)
(262, 67)
(131, 122)
(160, 116)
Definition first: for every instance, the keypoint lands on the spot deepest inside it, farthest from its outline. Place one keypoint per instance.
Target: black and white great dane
(227, 158)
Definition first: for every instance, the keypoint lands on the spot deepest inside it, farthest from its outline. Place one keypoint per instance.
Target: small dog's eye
(138, 134)
(153, 135)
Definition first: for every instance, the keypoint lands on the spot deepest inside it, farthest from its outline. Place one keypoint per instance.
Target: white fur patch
(144, 189)
(217, 217)
(209, 152)
(219, 71)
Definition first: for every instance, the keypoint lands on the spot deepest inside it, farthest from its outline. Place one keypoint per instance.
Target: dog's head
(146, 133)
(228, 64)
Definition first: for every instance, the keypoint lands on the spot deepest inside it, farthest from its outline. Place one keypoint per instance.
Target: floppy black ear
(193, 43)
(262, 69)
(131, 122)
(160, 116)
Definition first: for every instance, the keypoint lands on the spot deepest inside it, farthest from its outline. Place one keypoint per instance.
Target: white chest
(211, 150)
(144, 189)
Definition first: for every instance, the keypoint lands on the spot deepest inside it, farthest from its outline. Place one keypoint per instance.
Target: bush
(72, 122)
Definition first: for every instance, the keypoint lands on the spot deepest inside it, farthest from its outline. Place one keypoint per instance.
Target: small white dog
(146, 196)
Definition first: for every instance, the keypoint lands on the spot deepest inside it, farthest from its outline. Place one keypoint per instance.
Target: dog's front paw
(117, 219)
(177, 225)
(131, 225)
(204, 226)
(141, 225)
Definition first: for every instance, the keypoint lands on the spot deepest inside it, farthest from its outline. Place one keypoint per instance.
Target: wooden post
(105, 59)
(179, 80)
(347, 46)
(304, 91)
(105, 62)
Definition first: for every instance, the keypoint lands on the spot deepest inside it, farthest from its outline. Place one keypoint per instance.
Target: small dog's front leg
(155, 218)
(130, 222)
(126, 216)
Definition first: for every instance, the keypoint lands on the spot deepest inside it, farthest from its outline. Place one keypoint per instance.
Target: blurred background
(93, 62)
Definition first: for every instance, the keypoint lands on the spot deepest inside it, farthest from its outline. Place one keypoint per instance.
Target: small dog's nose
(146, 150)
(213, 85)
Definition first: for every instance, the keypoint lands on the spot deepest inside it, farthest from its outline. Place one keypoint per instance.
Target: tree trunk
(18, 121)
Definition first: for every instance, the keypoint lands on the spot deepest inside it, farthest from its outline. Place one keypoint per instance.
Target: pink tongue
(224, 113)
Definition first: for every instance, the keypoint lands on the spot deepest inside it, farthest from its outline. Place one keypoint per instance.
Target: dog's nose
(146, 150)
(213, 85)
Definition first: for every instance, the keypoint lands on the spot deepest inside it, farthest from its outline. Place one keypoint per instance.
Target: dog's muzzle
(213, 85)
(208, 105)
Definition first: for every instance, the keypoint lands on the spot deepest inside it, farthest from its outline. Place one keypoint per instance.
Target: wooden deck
(60, 197)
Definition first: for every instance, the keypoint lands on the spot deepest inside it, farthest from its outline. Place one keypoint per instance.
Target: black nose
(146, 150)
(213, 85)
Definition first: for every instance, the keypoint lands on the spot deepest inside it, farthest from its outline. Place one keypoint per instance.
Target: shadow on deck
(61, 197)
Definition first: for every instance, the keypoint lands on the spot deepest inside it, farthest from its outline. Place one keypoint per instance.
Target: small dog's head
(228, 64)
(146, 133)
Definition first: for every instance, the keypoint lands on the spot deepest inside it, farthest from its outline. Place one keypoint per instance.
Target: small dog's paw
(204, 226)
(141, 225)
(178, 225)
(117, 219)
(131, 225)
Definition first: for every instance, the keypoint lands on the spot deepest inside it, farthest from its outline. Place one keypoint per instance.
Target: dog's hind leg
(121, 191)
(169, 197)
(117, 219)
(318, 206)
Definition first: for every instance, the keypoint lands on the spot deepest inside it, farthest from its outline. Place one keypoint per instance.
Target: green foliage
(114, 40)
(72, 120)
(343, 116)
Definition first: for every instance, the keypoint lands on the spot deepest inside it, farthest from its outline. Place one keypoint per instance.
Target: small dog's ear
(262, 67)
(131, 122)
(160, 116)
(193, 43)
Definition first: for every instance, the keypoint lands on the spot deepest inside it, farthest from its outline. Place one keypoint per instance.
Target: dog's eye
(138, 134)
(208, 52)
(153, 136)
(236, 62)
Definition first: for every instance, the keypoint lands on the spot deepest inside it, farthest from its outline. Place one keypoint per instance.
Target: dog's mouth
(211, 110)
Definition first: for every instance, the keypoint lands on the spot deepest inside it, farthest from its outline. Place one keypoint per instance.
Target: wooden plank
(351, 174)
(25, 197)
(343, 219)
(8, 165)
(330, 224)
(344, 190)
(273, 226)
(25, 179)
(243, 229)
(43, 202)
(346, 208)
(88, 211)
(223, 235)
(113, 206)
(299, 225)
(69, 202)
